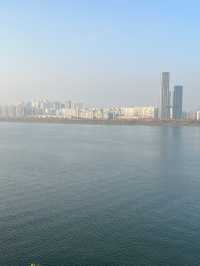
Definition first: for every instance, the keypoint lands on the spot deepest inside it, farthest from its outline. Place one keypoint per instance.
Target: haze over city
(99, 132)
(98, 52)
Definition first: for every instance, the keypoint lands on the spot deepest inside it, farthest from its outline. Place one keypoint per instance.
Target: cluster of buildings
(171, 108)
(76, 111)
(172, 102)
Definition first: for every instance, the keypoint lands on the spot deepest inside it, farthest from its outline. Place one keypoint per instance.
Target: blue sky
(101, 52)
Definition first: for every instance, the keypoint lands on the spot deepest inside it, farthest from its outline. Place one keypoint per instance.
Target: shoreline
(102, 122)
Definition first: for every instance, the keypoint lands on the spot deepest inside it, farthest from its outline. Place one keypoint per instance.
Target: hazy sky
(98, 51)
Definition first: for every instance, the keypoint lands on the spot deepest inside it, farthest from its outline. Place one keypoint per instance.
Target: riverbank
(102, 122)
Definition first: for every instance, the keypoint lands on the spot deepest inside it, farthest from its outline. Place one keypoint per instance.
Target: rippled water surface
(99, 195)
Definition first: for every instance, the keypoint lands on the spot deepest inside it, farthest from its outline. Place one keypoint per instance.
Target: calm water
(99, 195)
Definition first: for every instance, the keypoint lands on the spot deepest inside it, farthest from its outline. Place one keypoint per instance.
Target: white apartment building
(139, 113)
(198, 115)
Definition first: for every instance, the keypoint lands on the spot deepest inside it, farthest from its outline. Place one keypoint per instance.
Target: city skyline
(171, 83)
(170, 105)
(88, 49)
(170, 108)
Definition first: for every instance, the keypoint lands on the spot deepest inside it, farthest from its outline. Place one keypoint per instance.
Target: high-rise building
(177, 102)
(198, 115)
(165, 96)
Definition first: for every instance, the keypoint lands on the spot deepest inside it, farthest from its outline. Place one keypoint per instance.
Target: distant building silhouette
(165, 96)
(177, 103)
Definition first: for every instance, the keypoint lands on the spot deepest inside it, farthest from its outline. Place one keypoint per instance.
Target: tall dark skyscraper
(165, 96)
(177, 102)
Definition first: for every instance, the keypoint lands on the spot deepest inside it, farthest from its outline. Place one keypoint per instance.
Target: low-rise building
(198, 115)
(191, 115)
(139, 113)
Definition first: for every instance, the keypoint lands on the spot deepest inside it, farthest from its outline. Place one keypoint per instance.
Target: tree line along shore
(103, 122)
